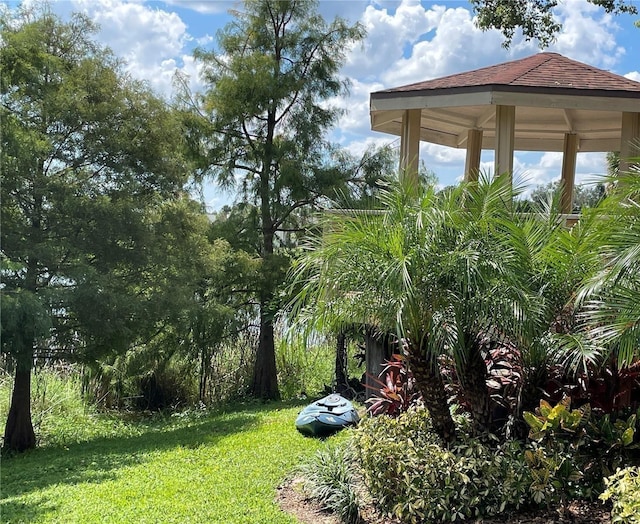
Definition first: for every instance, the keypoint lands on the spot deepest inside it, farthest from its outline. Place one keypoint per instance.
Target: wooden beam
(629, 140)
(410, 144)
(569, 157)
(569, 119)
(485, 118)
(384, 117)
(505, 139)
(474, 149)
(546, 146)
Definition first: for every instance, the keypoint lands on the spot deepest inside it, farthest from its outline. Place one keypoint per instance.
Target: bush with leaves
(413, 476)
(330, 477)
(623, 488)
(571, 449)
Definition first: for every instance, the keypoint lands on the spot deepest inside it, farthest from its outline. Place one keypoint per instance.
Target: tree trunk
(473, 379)
(429, 383)
(342, 380)
(18, 433)
(265, 376)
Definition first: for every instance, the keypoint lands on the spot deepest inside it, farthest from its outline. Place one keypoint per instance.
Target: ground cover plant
(194, 466)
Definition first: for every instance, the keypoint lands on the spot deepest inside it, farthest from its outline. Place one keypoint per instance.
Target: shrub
(623, 488)
(413, 476)
(571, 449)
(330, 478)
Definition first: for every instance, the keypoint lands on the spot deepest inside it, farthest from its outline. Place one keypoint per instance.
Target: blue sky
(408, 41)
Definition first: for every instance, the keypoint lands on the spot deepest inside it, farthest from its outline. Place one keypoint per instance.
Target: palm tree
(442, 270)
(610, 299)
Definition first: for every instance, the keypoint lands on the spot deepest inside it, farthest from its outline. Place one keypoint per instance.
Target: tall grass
(59, 414)
(304, 370)
(308, 368)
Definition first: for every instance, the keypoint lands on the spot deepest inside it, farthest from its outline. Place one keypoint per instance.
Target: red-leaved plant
(395, 388)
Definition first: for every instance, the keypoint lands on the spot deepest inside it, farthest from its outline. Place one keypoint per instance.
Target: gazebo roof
(553, 95)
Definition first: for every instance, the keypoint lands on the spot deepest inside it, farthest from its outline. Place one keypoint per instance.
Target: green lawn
(222, 467)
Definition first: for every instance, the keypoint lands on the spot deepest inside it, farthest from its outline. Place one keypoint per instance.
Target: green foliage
(455, 274)
(556, 474)
(550, 420)
(231, 370)
(413, 476)
(610, 299)
(304, 369)
(24, 319)
(623, 488)
(330, 477)
(97, 231)
(584, 196)
(534, 18)
(61, 416)
(573, 448)
(275, 67)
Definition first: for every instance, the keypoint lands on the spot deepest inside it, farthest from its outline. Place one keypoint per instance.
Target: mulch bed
(291, 499)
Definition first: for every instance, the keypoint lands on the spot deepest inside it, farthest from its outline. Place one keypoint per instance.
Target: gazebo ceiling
(552, 94)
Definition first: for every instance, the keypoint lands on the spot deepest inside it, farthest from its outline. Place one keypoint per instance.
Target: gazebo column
(569, 157)
(410, 144)
(630, 136)
(474, 150)
(505, 139)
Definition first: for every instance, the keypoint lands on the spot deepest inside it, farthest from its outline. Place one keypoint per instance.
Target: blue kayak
(326, 416)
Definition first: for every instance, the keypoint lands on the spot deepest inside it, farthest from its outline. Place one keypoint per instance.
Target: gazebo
(545, 102)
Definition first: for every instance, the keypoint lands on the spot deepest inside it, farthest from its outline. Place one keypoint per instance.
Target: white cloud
(204, 6)
(388, 35)
(634, 75)
(358, 147)
(590, 167)
(448, 50)
(356, 105)
(406, 42)
(151, 41)
(416, 43)
(588, 34)
(541, 168)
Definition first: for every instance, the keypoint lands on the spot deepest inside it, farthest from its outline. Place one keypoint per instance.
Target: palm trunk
(18, 434)
(429, 383)
(473, 378)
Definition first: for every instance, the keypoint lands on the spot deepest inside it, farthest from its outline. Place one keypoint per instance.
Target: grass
(191, 467)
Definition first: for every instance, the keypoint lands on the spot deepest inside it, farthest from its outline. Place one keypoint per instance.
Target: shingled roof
(553, 95)
(541, 71)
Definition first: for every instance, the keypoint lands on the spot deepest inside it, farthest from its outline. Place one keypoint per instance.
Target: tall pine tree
(269, 87)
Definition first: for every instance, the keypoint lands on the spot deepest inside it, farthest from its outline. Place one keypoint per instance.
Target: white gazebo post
(569, 158)
(474, 150)
(505, 139)
(630, 135)
(410, 144)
